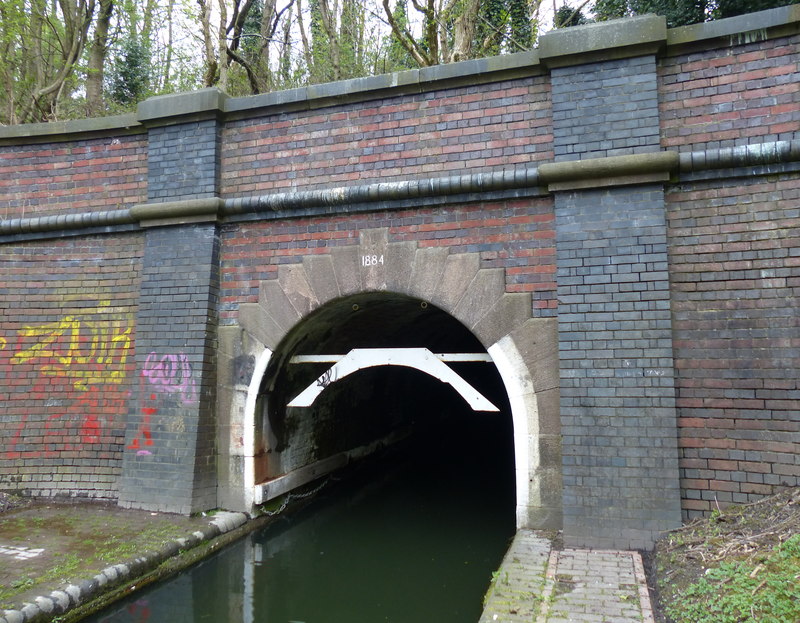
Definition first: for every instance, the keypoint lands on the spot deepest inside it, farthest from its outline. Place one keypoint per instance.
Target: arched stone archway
(523, 349)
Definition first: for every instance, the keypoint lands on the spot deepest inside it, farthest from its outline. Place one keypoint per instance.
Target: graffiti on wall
(144, 434)
(164, 378)
(76, 366)
(171, 374)
(88, 421)
(84, 352)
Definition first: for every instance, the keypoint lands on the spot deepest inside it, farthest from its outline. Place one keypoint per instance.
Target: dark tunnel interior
(375, 403)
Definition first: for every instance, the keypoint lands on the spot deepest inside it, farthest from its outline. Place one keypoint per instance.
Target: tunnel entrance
(381, 405)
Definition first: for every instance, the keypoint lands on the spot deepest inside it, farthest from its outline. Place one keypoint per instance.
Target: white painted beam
(418, 358)
(452, 357)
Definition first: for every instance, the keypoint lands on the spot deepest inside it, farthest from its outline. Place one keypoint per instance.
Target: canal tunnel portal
(457, 310)
(623, 257)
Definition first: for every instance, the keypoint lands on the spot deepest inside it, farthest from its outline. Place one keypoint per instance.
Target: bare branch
(406, 39)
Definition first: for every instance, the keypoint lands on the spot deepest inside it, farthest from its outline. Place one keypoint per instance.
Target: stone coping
(582, 44)
(603, 41)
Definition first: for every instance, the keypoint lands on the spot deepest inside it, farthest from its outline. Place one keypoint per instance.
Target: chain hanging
(297, 496)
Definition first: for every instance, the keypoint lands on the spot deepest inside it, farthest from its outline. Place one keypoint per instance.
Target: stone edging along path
(59, 602)
(536, 583)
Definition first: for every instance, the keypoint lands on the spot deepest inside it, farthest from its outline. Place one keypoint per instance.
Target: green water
(411, 539)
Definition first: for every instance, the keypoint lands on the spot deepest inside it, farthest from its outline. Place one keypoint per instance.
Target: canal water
(411, 538)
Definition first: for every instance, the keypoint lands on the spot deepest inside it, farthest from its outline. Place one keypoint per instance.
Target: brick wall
(75, 176)
(721, 97)
(400, 138)
(67, 304)
(617, 388)
(169, 442)
(605, 109)
(169, 463)
(734, 266)
(516, 235)
(618, 420)
(67, 333)
(182, 161)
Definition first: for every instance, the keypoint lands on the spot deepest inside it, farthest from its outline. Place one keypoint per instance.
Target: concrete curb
(58, 602)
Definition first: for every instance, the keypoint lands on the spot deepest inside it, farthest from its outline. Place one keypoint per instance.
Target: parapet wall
(640, 185)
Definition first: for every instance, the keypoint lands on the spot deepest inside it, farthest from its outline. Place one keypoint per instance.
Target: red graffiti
(85, 424)
(10, 453)
(91, 430)
(171, 374)
(144, 435)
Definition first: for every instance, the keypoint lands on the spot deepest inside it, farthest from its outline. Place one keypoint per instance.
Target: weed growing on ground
(742, 592)
(739, 565)
(115, 549)
(6, 592)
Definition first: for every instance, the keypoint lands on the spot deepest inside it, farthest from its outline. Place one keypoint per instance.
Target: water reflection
(415, 544)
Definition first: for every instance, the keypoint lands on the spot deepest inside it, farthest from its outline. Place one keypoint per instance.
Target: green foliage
(251, 41)
(677, 12)
(491, 26)
(730, 8)
(566, 16)
(22, 583)
(351, 30)
(503, 26)
(522, 31)
(46, 47)
(130, 78)
(683, 12)
(745, 592)
(321, 68)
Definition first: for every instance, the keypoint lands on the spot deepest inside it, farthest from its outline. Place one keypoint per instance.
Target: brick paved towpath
(536, 583)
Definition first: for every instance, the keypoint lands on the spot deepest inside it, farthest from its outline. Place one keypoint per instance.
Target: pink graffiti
(171, 374)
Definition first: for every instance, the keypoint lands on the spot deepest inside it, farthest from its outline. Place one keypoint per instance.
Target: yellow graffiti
(83, 351)
(2, 343)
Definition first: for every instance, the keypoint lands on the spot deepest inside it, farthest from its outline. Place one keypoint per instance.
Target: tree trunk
(464, 32)
(222, 46)
(97, 60)
(210, 76)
